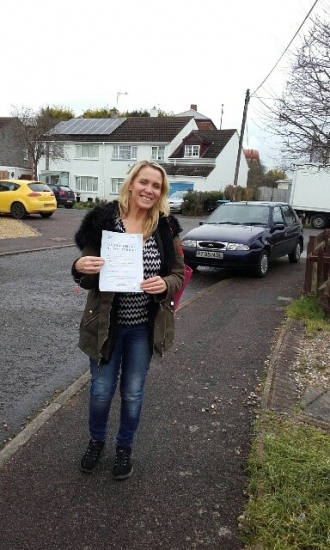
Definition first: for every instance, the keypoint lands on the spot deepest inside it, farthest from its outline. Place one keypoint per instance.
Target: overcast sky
(136, 54)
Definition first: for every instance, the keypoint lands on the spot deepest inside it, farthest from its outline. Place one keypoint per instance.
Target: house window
(124, 152)
(116, 184)
(86, 183)
(87, 151)
(191, 151)
(158, 153)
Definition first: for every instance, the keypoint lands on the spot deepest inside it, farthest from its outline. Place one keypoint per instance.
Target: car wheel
(18, 211)
(294, 256)
(68, 205)
(46, 214)
(262, 266)
(319, 221)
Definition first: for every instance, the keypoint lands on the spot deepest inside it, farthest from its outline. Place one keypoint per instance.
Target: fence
(317, 273)
(273, 194)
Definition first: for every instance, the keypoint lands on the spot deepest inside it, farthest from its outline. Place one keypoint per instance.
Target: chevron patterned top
(133, 307)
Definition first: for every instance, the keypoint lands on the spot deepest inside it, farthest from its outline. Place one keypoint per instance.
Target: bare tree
(30, 128)
(302, 116)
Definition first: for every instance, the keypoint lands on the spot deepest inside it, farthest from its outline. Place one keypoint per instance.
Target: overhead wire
(286, 49)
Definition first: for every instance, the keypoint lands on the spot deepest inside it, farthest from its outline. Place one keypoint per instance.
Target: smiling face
(145, 189)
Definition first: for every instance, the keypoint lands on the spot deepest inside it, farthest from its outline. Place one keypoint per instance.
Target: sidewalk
(187, 490)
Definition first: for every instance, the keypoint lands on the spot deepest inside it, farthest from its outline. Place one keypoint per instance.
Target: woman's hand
(89, 265)
(154, 285)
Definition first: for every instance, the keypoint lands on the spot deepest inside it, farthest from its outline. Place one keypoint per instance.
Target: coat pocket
(90, 321)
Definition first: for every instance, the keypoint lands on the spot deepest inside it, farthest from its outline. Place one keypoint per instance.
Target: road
(40, 315)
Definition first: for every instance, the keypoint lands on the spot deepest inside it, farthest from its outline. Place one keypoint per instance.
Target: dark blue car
(245, 235)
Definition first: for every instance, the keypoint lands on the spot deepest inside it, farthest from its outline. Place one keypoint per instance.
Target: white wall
(18, 172)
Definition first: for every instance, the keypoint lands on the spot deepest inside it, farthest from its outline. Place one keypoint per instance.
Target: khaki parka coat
(98, 323)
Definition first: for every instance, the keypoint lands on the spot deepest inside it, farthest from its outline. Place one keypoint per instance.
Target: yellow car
(21, 198)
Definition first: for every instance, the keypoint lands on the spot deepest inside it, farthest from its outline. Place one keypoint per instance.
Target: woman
(119, 332)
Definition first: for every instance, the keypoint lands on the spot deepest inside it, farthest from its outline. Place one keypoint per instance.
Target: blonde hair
(161, 205)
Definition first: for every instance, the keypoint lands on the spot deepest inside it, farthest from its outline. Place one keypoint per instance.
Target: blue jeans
(129, 364)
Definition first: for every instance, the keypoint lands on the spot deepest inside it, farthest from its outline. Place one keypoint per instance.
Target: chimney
(154, 112)
(193, 107)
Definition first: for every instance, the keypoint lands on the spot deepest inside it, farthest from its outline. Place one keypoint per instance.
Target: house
(206, 161)
(206, 158)
(98, 153)
(13, 157)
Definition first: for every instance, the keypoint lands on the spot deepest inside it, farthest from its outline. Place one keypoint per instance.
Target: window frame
(118, 184)
(158, 157)
(195, 151)
(118, 150)
(91, 148)
(79, 180)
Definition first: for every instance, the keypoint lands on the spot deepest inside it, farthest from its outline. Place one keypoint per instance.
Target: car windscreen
(240, 214)
(65, 188)
(39, 187)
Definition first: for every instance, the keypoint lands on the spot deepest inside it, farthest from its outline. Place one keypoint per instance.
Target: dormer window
(191, 150)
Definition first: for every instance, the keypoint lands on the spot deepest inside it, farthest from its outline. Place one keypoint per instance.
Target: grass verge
(289, 506)
(289, 471)
(309, 310)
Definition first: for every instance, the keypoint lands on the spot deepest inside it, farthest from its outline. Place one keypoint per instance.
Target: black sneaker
(123, 466)
(92, 456)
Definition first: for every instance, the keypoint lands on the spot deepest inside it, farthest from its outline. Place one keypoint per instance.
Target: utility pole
(240, 145)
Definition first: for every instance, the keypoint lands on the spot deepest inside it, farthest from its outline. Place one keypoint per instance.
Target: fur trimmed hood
(104, 218)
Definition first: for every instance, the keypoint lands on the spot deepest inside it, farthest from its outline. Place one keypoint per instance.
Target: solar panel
(88, 126)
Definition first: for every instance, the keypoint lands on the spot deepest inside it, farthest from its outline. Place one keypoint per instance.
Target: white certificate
(123, 267)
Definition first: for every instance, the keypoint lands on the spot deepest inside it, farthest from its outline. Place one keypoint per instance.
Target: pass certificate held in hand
(123, 267)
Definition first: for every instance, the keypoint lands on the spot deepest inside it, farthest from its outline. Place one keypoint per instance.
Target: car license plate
(209, 254)
(47, 205)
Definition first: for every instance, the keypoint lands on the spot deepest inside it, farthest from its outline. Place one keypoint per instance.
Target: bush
(210, 199)
(197, 203)
(236, 193)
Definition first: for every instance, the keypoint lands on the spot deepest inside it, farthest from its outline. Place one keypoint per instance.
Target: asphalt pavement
(187, 489)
